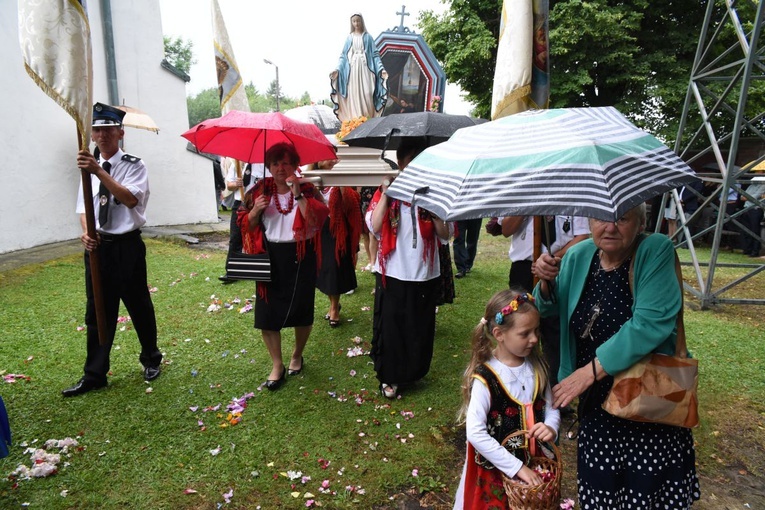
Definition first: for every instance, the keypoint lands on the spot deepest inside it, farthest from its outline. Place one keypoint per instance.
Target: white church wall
(38, 140)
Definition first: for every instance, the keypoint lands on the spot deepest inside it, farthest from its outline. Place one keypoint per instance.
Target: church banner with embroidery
(56, 47)
(230, 86)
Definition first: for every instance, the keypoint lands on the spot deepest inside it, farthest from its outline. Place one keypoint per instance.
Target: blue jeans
(465, 243)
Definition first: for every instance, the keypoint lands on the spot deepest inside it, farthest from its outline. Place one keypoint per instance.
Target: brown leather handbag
(659, 388)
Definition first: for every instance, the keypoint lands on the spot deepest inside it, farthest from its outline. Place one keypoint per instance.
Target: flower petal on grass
(189, 491)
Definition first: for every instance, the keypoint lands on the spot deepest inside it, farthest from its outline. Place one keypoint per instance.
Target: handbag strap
(681, 349)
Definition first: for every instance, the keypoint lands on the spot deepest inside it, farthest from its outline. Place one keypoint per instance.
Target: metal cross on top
(402, 14)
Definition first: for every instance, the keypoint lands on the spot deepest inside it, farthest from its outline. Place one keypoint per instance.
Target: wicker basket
(546, 495)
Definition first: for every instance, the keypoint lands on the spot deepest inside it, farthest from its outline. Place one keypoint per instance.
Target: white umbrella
(135, 118)
(319, 115)
(589, 162)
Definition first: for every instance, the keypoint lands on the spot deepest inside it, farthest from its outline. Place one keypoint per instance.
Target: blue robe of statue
(359, 92)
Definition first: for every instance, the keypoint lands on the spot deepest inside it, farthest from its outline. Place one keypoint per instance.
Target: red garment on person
(344, 219)
(390, 230)
(304, 228)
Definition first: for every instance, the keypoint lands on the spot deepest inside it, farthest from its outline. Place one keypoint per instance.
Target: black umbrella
(435, 127)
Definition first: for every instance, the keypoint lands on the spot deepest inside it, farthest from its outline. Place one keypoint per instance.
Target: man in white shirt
(120, 193)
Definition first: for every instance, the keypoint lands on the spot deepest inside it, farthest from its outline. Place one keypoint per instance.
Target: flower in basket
(435, 104)
(348, 126)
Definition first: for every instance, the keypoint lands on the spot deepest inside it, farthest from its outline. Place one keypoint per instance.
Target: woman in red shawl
(339, 244)
(406, 290)
(283, 217)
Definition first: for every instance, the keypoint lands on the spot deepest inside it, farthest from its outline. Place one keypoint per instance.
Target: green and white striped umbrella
(589, 162)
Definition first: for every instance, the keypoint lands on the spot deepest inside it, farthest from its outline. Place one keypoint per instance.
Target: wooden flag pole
(239, 176)
(94, 256)
(537, 242)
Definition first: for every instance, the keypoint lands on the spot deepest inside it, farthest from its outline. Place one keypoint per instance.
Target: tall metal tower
(717, 114)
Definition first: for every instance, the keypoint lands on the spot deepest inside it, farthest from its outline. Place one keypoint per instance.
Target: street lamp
(277, 81)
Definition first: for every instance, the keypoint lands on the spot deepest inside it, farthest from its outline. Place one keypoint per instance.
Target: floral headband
(512, 307)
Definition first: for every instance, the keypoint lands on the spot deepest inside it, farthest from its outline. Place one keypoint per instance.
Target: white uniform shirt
(257, 174)
(135, 177)
(522, 244)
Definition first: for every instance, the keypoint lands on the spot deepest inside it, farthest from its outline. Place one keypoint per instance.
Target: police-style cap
(105, 115)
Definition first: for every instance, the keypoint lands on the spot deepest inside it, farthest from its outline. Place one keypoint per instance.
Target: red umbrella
(247, 136)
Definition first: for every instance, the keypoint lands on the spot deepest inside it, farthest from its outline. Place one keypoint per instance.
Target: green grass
(141, 450)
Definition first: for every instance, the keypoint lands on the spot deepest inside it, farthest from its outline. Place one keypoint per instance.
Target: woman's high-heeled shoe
(274, 385)
(389, 390)
(333, 323)
(326, 315)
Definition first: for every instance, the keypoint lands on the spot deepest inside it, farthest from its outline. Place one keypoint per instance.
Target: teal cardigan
(657, 301)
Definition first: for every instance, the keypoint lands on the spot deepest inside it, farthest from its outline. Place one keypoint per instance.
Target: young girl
(505, 389)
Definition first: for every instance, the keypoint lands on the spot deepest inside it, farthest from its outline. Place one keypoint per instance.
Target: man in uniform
(120, 194)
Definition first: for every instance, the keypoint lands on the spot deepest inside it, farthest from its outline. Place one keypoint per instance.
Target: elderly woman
(283, 217)
(607, 325)
(407, 283)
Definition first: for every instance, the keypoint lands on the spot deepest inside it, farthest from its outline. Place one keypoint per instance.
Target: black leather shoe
(298, 370)
(275, 385)
(150, 373)
(82, 386)
(460, 274)
(225, 279)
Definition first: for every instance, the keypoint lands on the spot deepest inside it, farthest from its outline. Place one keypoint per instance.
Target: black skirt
(289, 297)
(403, 329)
(334, 278)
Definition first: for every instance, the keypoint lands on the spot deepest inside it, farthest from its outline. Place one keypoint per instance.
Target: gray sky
(303, 37)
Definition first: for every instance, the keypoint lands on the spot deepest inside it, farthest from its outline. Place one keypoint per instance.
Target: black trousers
(465, 243)
(235, 233)
(520, 275)
(751, 219)
(123, 277)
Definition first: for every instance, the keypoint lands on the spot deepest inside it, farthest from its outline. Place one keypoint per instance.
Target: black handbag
(246, 266)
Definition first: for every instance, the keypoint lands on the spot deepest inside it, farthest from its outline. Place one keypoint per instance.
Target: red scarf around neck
(389, 235)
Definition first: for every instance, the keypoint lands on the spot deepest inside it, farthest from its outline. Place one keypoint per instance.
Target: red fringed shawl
(390, 231)
(303, 228)
(344, 219)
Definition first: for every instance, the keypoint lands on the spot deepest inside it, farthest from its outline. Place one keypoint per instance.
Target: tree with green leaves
(205, 105)
(631, 54)
(178, 53)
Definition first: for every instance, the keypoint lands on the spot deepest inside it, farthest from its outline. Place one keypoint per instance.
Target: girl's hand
(541, 432)
(529, 476)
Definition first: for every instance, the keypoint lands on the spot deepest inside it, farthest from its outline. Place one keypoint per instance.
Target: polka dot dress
(624, 464)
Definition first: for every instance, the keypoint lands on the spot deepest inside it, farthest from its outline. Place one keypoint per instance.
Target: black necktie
(247, 175)
(103, 198)
(549, 238)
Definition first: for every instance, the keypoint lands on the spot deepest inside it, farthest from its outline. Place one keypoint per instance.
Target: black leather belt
(113, 238)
